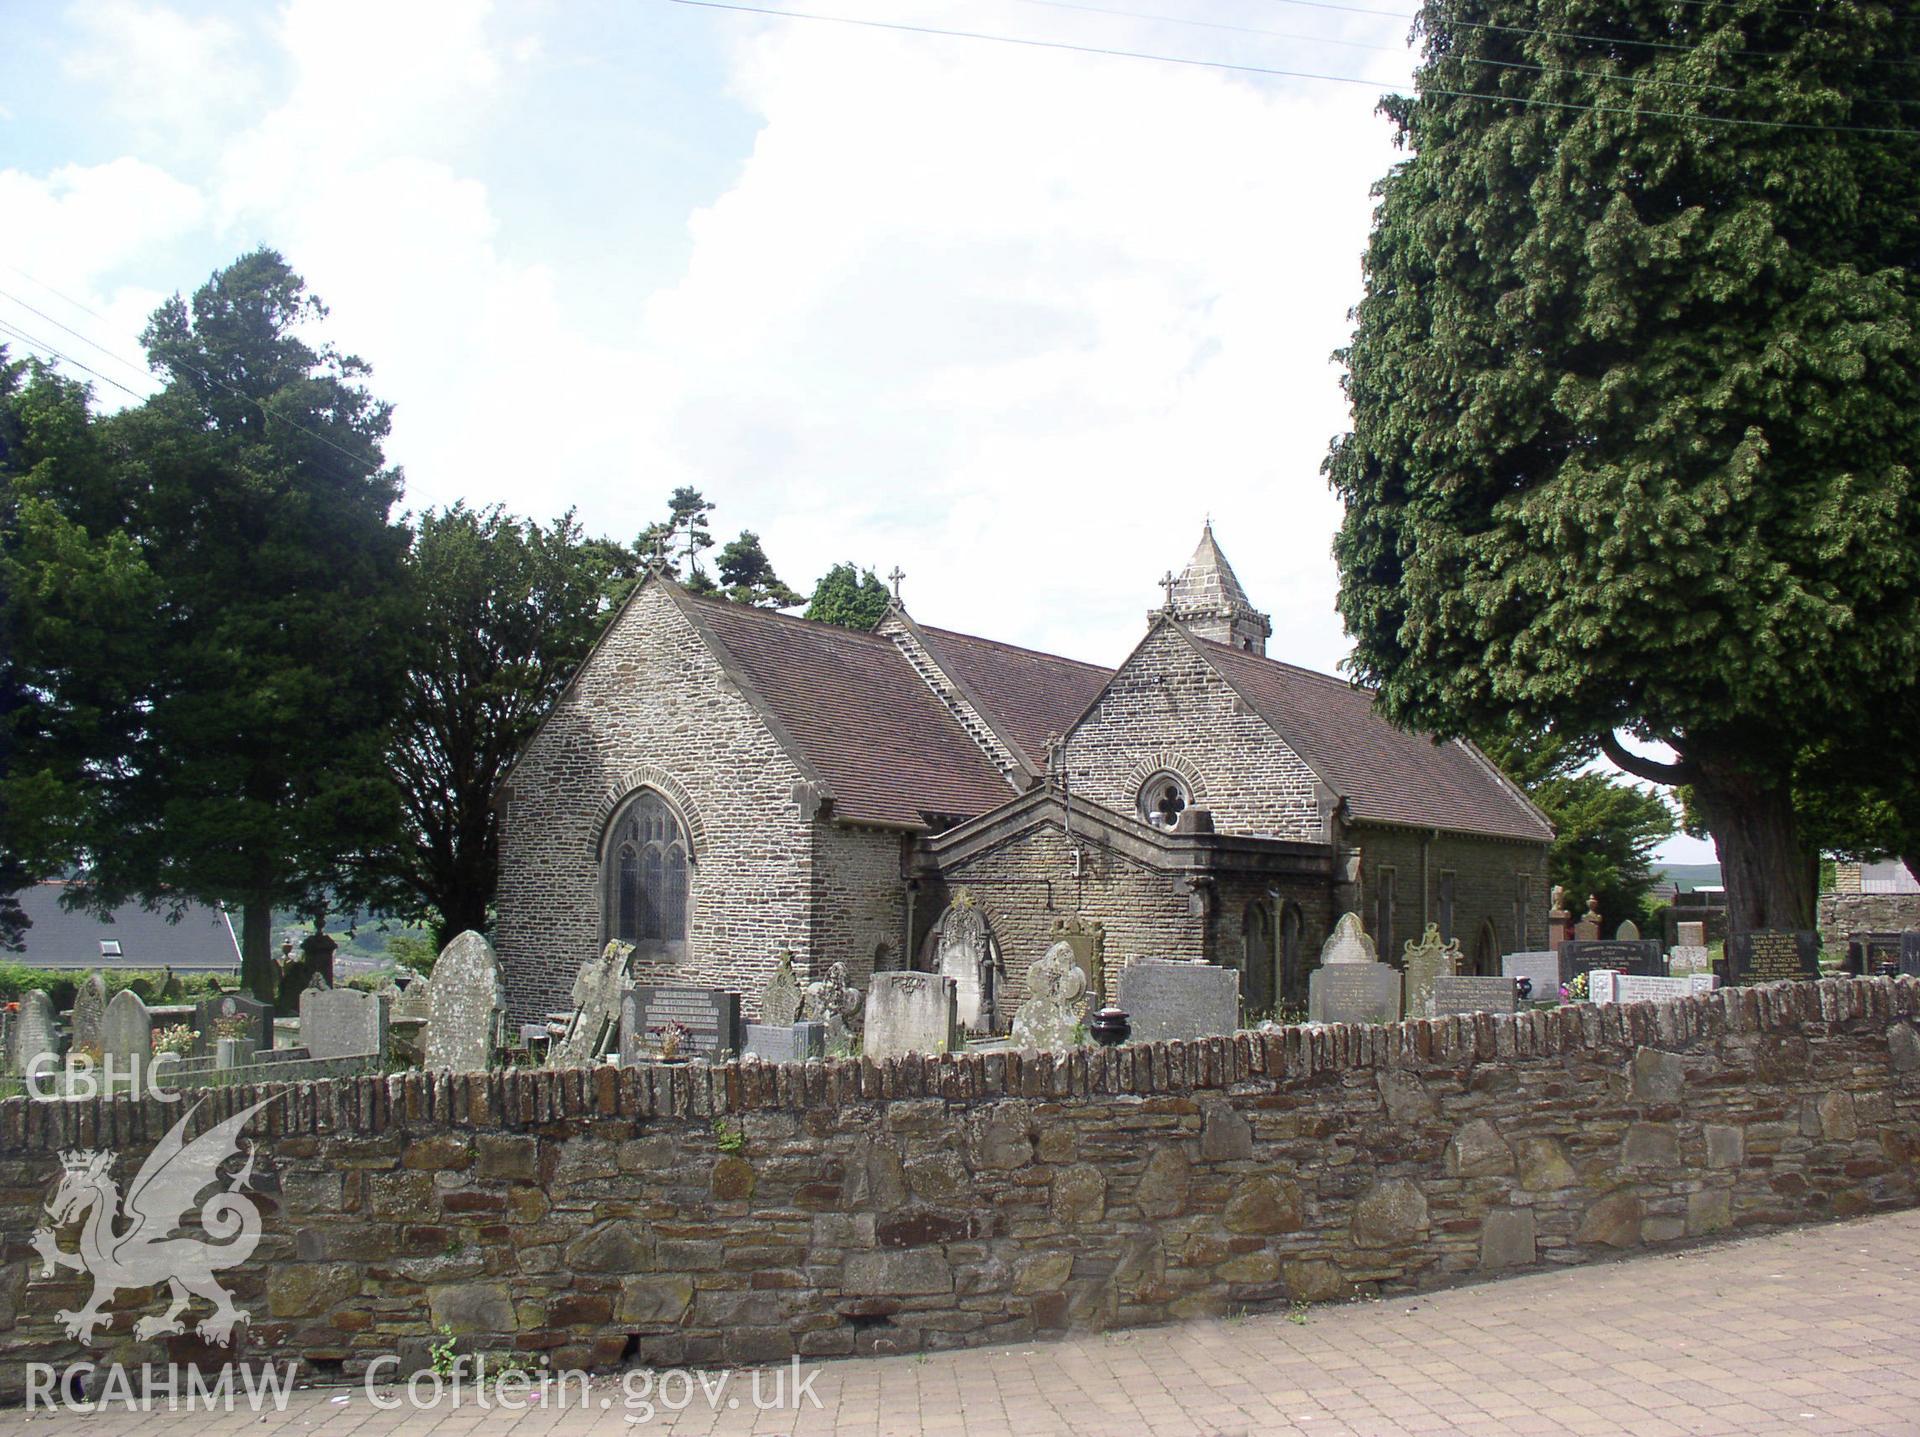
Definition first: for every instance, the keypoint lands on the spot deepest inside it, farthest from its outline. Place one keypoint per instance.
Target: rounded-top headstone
(465, 1004)
(89, 1009)
(1349, 943)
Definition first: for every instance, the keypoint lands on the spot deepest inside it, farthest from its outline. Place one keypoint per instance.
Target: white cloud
(167, 76)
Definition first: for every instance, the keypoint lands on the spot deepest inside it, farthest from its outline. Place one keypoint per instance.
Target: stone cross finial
(1054, 744)
(894, 578)
(1167, 583)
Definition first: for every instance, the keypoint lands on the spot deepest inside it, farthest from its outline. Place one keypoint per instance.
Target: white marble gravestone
(911, 1013)
(466, 1006)
(963, 949)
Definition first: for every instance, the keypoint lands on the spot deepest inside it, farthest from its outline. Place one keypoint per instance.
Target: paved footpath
(1814, 1330)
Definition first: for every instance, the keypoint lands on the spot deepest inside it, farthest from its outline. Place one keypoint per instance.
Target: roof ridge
(1015, 648)
(730, 607)
(1301, 669)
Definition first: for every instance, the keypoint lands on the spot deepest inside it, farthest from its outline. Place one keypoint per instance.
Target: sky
(1015, 318)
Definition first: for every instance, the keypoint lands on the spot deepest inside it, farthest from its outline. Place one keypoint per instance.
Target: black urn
(1110, 1027)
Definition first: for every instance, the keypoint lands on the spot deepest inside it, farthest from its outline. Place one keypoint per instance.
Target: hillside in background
(1689, 876)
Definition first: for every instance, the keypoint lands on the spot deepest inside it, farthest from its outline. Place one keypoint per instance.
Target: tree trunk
(258, 976)
(1770, 879)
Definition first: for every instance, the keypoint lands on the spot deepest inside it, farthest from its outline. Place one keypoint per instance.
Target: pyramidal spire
(1208, 599)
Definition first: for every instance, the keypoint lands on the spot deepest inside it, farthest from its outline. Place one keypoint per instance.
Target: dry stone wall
(744, 1212)
(1844, 913)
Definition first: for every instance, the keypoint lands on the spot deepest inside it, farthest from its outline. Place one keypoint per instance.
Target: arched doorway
(1486, 951)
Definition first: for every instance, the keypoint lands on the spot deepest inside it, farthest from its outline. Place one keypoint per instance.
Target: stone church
(720, 783)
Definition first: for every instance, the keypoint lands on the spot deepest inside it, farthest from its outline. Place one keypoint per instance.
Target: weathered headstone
(89, 1007)
(1166, 1000)
(1088, 941)
(1685, 958)
(1587, 930)
(231, 1015)
(415, 1001)
(1606, 986)
(1456, 993)
(466, 1006)
(1348, 943)
(1056, 994)
(1641, 956)
(1773, 955)
(1540, 968)
(1690, 935)
(343, 1023)
(1423, 962)
(780, 999)
(787, 1043)
(1628, 932)
(911, 1013)
(963, 949)
(1354, 991)
(594, 1028)
(832, 1000)
(710, 1016)
(126, 1034)
(36, 1037)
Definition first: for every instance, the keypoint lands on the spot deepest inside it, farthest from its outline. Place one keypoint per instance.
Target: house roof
(856, 713)
(201, 941)
(1027, 694)
(1386, 774)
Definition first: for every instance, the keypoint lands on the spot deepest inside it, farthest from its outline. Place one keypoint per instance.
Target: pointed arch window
(647, 876)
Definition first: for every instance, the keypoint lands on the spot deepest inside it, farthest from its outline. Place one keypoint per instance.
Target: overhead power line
(47, 351)
(1112, 53)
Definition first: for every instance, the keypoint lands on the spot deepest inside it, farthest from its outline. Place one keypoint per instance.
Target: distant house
(200, 940)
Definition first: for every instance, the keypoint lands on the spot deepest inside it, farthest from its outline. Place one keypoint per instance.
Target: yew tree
(1636, 398)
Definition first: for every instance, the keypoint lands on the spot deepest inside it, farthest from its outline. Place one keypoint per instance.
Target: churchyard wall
(653, 707)
(1844, 913)
(1167, 707)
(1486, 873)
(743, 1212)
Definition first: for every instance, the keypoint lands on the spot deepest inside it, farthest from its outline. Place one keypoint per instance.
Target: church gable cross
(894, 578)
(1167, 583)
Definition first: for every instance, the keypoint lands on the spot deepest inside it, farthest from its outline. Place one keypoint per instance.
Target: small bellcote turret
(1208, 599)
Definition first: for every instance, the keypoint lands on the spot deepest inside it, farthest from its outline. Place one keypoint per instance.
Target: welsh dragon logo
(143, 1251)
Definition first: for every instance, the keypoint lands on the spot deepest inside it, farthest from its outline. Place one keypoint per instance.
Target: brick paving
(1808, 1331)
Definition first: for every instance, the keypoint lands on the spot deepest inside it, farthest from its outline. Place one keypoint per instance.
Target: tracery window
(1163, 798)
(646, 876)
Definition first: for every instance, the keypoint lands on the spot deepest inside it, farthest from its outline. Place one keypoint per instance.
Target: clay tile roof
(1027, 694)
(1385, 773)
(859, 714)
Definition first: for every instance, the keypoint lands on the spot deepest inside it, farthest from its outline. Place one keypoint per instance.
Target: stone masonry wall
(859, 898)
(1485, 872)
(743, 1212)
(653, 705)
(1844, 913)
(1167, 700)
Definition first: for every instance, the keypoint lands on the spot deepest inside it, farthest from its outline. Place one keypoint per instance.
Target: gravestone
(1606, 986)
(1587, 930)
(593, 1030)
(1540, 968)
(1166, 1000)
(1641, 956)
(1056, 996)
(832, 1000)
(36, 1034)
(415, 1001)
(788, 1042)
(963, 949)
(1423, 962)
(1348, 943)
(1628, 932)
(711, 1017)
(1354, 991)
(466, 1007)
(1690, 935)
(1773, 955)
(343, 1023)
(1087, 939)
(9, 1021)
(1866, 952)
(911, 1013)
(780, 999)
(1686, 958)
(1456, 993)
(1910, 954)
(231, 1015)
(126, 1034)
(89, 1007)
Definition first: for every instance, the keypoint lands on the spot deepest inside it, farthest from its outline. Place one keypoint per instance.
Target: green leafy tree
(503, 610)
(850, 597)
(747, 577)
(679, 540)
(1605, 830)
(1636, 398)
(236, 754)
